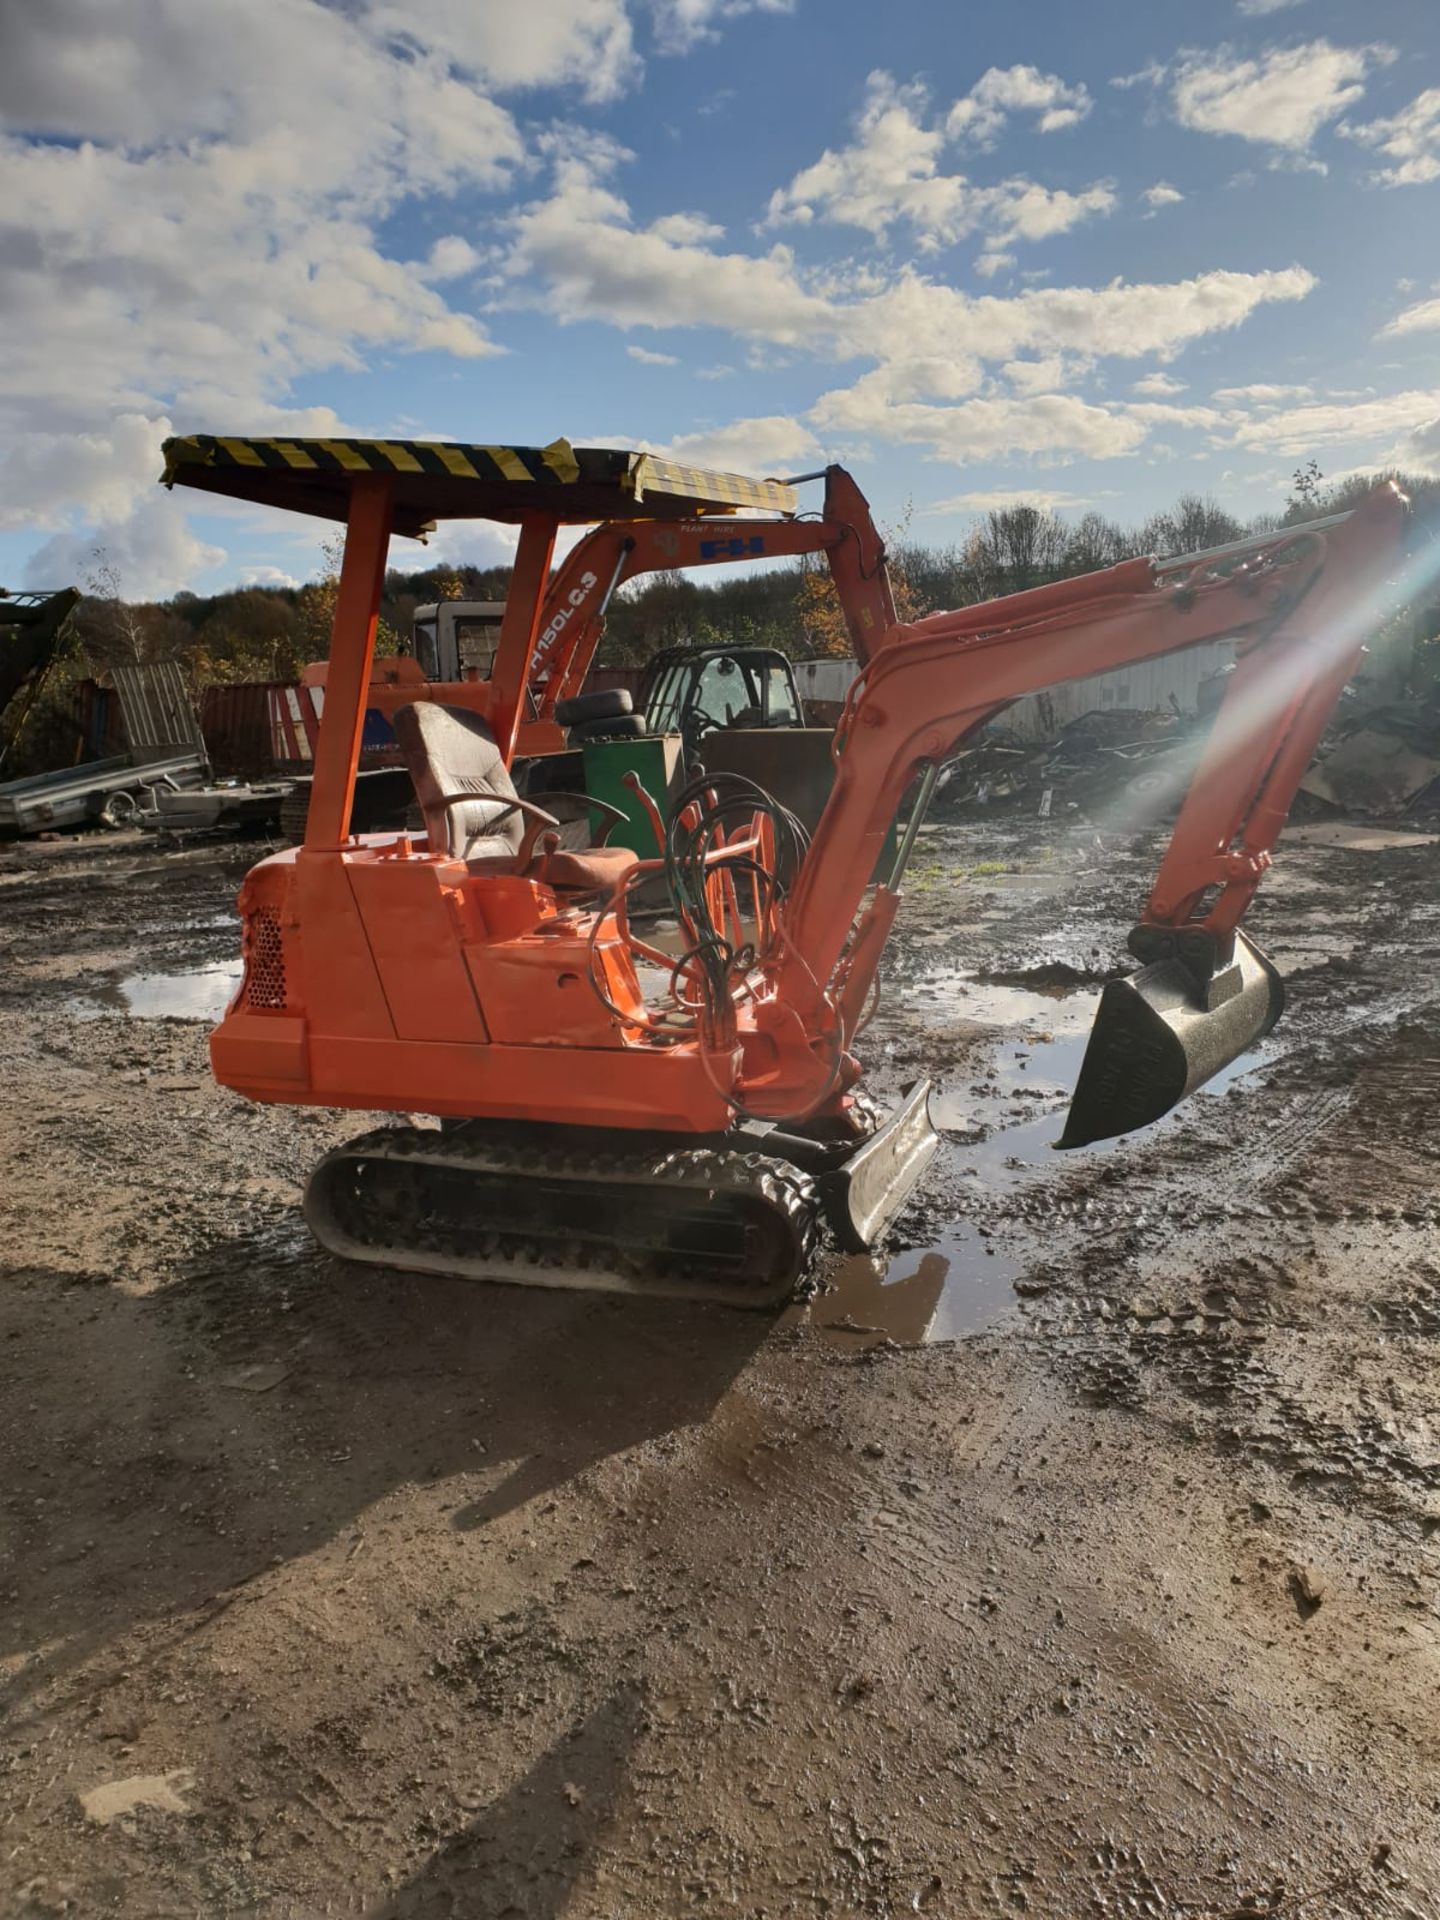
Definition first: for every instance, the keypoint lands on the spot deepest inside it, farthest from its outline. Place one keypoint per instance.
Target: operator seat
(452, 755)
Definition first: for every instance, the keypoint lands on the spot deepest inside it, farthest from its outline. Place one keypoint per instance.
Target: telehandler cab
(617, 1116)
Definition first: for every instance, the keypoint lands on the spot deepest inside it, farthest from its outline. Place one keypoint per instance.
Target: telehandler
(616, 1116)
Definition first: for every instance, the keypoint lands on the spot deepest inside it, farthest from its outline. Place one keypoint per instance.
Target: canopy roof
(452, 480)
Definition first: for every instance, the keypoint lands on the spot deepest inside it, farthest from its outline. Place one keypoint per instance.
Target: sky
(1085, 256)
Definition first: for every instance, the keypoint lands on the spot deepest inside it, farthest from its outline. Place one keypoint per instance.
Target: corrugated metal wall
(96, 710)
(236, 723)
(613, 679)
(159, 714)
(827, 680)
(1143, 688)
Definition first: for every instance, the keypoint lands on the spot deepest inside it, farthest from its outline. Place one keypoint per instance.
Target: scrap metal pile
(1105, 759)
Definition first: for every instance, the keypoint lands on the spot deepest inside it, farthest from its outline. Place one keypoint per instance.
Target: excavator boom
(573, 617)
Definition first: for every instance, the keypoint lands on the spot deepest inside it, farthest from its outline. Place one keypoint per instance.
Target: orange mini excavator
(616, 1115)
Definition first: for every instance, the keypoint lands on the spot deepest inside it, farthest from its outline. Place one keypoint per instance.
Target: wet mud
(1077, 1554)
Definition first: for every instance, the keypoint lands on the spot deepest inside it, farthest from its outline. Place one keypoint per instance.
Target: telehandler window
(780, 709)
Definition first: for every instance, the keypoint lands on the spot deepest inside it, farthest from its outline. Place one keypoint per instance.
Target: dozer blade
(865, 1192)
(1165, 1031)
(535, 1209)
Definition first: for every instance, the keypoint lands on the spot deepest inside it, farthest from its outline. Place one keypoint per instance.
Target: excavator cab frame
(714, 1089)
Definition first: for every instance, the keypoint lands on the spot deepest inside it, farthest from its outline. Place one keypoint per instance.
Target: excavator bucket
(1164, 1031)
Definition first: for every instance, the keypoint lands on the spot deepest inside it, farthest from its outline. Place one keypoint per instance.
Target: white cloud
(267, 577)
(991, 263)
(1002, 91)
(152, 550)
(1283, 98)
(1310, 429)
(1157, 386)
(542, 43)
(681, 25)
(1419, 451)
(1149, 75)
(594, 264)
(1160, 413)
(579, 254)
(1257, 9)
(897, 400)
(774, 444)
(1038, 376)
(1027, 212)
(1052, 426)
(1122, 320)
(194, 222)
(687, 229)
(1421, 318)
(47, 476)
(1000, 499)
(451, 258)
(1263, 394)
(1162, 194)
(1411, 138)
(649, 359)
(891, 173)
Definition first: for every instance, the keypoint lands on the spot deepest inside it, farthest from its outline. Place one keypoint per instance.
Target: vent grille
(265, 964)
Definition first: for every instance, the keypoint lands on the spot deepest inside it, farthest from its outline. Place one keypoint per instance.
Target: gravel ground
(1079, 1556)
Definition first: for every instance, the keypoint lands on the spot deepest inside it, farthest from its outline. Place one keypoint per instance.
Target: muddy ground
(1079, 1557)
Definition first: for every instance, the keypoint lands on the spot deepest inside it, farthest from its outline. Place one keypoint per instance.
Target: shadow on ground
(526, 1853)
(170, 1448)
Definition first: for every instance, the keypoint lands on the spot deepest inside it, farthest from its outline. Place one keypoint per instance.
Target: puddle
(957, 1287)
(1029, 1059)
(1030, 1042)
(200, 993)
(1007, 1102)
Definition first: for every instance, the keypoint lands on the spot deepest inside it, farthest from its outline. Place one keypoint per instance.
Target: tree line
(260, 633)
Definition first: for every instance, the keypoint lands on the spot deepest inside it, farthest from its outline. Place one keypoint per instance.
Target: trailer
(167, 751)
(96, 793)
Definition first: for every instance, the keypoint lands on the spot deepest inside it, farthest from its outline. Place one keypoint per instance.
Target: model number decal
(575, 599)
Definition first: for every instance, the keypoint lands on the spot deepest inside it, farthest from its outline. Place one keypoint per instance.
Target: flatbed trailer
(96, 792)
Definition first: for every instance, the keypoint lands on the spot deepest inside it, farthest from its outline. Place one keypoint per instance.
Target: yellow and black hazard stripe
(438, 458)
(650, 474)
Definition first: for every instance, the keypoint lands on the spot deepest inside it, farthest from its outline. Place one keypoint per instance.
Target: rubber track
(786, 1194)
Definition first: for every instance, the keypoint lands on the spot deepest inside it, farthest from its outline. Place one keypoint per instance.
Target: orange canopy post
(352, 648)
(520, 628)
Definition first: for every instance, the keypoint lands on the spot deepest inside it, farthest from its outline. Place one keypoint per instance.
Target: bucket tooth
(1163, 1032)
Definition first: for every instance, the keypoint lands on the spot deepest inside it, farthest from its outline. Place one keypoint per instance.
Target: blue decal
(737, 549)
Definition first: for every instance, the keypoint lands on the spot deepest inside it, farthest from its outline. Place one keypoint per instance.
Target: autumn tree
(315, 608)
(250, 636)
(819, 616)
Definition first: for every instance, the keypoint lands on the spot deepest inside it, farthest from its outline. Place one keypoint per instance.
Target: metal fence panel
(160, 718)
